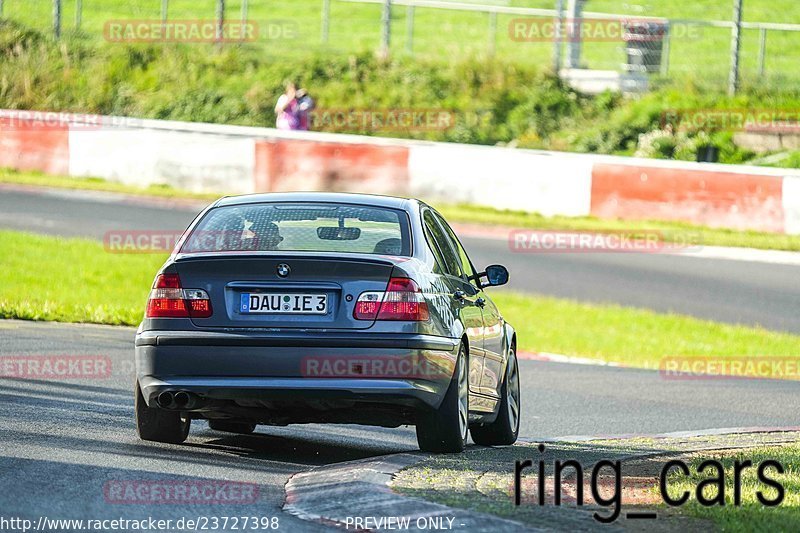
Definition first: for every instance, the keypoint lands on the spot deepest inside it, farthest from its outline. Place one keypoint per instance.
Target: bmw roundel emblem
(283, 270)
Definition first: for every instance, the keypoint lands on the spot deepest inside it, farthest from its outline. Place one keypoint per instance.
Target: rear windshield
(301, 227)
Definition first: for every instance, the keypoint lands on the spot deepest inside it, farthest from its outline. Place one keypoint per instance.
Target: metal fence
(664, 41)
(661, 40)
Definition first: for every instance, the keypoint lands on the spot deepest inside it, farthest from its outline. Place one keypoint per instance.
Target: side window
(450, 261)
(466, 264)
(438, 267)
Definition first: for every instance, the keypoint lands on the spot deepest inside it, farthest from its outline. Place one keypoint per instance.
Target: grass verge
(667, 231)
(751, 514)
(482, 479)
(635, 337)
(72, 280)
(77, 280)
(37, 179)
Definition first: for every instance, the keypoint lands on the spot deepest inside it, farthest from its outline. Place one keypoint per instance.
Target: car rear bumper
(328, 339)
(226, 371)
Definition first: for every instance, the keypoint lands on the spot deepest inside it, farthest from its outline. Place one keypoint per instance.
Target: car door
(493, 341)
(463, 294)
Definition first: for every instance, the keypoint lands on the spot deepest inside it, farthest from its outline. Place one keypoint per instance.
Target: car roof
(324, 197)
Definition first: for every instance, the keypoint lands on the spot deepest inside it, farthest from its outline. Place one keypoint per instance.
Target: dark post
(557, 37)
(57, 19)
(736, 43)
(386, 22)
(220, 20)
(326, 19)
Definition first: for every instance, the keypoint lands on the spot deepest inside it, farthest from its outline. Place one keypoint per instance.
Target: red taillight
(402, 300)
(169, 300)
(167, 281)
(164, 303)
(199, 304)
(367, 306)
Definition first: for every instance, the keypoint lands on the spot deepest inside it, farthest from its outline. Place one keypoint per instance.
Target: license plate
(284, 303)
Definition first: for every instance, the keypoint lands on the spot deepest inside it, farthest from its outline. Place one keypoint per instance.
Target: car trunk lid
(284, 290)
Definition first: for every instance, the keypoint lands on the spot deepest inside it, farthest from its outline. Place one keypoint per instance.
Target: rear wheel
(444, 430)
(505, 429)
(159, 425)
(232, 427)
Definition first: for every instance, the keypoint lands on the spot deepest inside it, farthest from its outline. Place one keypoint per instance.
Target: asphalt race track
(716, 289)
(65, 441)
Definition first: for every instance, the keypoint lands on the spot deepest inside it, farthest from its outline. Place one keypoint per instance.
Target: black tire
(444, 430)
(159, 425)
(232, 427)
(505, 429)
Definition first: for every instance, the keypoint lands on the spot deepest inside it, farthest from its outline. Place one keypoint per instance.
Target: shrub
(495, 101)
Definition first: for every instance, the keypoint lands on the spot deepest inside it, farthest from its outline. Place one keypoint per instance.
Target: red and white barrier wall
(235, 159)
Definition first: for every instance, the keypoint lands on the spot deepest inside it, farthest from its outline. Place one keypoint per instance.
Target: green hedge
(493, 101)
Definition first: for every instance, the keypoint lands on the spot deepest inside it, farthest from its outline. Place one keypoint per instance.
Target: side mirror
(495, 275)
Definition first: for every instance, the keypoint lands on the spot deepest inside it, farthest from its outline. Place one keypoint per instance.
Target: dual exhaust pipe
(177, 400)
